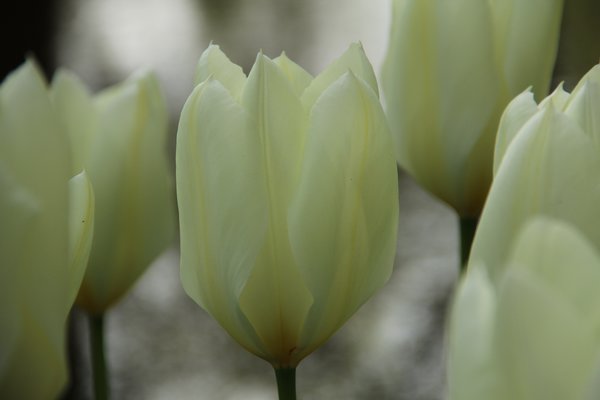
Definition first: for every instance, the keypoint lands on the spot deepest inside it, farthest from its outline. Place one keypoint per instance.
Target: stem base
(286, 383)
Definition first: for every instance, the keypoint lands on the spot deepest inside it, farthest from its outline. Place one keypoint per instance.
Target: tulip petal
(280, 125)
(36, 354)
(35, 153)
(213, 62)
(550, 284)
(297, 76)
(343, 219)
(584, 108)
(18, 210)
(561, 257)
(34, 170)
(353, 59)
(557, 99)
(410, 19)
(516, 114)
(275, 298)
(74, 103)
(527, 40)
(222, 205)
(550, 361)
(81, 230)
(549, 164)
(472, 370)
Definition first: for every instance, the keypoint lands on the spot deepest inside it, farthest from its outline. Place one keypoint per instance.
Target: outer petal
(565, 261)
(35, 152)
(547, 168)
(129, 170)
(547, 313)
(34, 165)
(279, 124)
(81, 230)
(516, 114)
(213, 62)
(557, 99)
(584, 108)
(527, 40)
(343, 219)
(275, 298)
(74, 103)
(222, 205)
(544, 349)
(297, 76)
(18, 210)
(473, 373)
(353, 59)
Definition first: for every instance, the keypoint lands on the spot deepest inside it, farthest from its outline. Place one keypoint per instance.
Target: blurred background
(161, 345)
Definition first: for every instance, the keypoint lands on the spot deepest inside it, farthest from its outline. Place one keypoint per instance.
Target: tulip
(547, 162)
(450, 70)
(287, 192)
(119, 136)
(529, 332)
(45, 235)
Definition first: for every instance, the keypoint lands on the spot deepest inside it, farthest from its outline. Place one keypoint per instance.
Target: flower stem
(96, 324)
(286, 383)
(467, 232)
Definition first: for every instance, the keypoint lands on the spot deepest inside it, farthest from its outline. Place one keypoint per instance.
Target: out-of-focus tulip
(531, 331)
(45, 230)
(451, 68)
(547, 162)
(119, 136)
(287, 191)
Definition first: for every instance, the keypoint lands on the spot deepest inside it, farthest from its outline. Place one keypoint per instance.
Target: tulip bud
(531, 331)
(44, 238)
(119, 136)
(287, 191)
(451, 68)
(547, 162)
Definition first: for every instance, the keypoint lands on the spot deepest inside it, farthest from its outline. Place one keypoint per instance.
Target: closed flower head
(287, 194)
(451, 68)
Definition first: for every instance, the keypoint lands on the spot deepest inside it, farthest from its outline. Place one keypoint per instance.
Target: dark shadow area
(27, 29)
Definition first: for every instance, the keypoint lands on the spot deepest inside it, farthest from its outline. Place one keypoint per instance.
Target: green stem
(96, 324)
(286, 383)
(467, 232)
